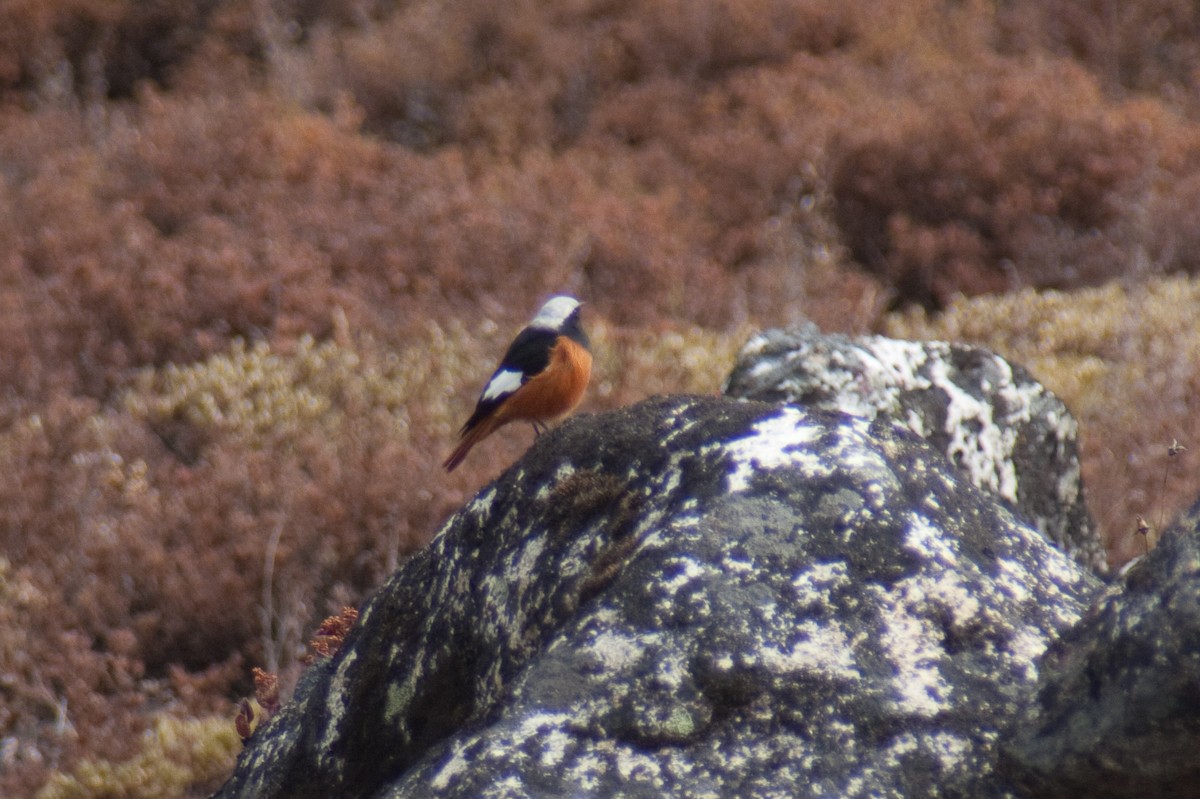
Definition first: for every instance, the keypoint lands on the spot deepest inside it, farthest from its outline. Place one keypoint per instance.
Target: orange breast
(556, 391)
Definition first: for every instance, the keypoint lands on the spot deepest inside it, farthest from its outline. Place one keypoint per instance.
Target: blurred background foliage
(258, 256)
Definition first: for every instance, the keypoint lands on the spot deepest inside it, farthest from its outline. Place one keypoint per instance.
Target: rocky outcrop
(1117, 708)
(1004, 431)
(690, 597)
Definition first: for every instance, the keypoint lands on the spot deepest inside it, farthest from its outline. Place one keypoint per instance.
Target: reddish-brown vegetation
(256, 257)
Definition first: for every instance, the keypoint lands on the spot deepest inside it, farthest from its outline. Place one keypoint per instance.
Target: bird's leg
(538, 427)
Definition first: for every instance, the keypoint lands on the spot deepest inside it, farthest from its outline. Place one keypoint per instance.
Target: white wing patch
(506, 381)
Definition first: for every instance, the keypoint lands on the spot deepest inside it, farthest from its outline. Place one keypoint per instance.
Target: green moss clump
(176, 755)
(633, 364)
(256, 393)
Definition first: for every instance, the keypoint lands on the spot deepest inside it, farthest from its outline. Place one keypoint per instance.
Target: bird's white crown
(554, 312)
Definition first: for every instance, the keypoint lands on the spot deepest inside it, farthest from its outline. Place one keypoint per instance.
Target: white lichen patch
(555, 743)
(671, 483)
(481, 504)
(893, 366)
(683, 423)
(397, 701)
(587, 770)
(616, 652)
(1051, 576)
(900, 746)
(1024, 648)
(915, 422)
(537, 725)
(686, 571)
(1014, 580)
(815, 585)
(456, 764)
(737, 565)
(951, 593)
(779, 440)
(547, 488)
(820, 578)
(822, 649)
(525, 568)
(502, 616)
(951, 749)
(1069, 482)
(753, 346)
(635, 765)
(335, 704)
(912, 645)
(1018, 399)
(978, 443)
(1055, 570)
(860, 456)
(672, 670)
(929, 542)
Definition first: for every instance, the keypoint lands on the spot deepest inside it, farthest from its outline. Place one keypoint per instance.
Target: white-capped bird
(541, 378)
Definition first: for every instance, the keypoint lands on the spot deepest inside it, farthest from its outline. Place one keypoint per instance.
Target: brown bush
(1152, 45)
(97, 49)
(213, 518)
(1007, 178)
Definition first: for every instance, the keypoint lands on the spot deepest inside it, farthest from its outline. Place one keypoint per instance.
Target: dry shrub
(198, 220)
(1148, 45)
(1006, 177)
(715, 149)
(310, 455)
(213, 517)
(1126, 361)
(96, 49)
(47, 46)
(473, 68)
(634, 363)
(226, 214)
(1172, 235)
(75, 682)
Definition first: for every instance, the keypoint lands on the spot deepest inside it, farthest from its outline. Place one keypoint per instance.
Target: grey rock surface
(1117, 708)
(690, 597)
(1003, 429)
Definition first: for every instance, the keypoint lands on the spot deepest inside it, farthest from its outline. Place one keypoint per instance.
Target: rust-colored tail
(470, 438)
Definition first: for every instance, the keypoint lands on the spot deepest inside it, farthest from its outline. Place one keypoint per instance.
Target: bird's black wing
(529, 354)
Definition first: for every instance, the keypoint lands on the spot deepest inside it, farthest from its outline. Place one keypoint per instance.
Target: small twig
(271, 642)
(1172, 451)
(1143, 529)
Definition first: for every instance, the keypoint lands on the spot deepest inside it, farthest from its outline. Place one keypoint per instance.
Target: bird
(540, 379)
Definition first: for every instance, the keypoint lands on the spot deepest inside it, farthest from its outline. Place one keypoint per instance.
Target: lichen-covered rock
(1117, 708)
(689, 597)
(1005, 431)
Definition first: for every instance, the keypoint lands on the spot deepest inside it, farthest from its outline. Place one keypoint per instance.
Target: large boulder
(1117, 709)
(690, 597)
(1003, 429)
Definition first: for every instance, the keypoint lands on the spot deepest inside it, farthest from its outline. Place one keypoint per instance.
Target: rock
(1004, 430)
(1117, 708)
(689, 597)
